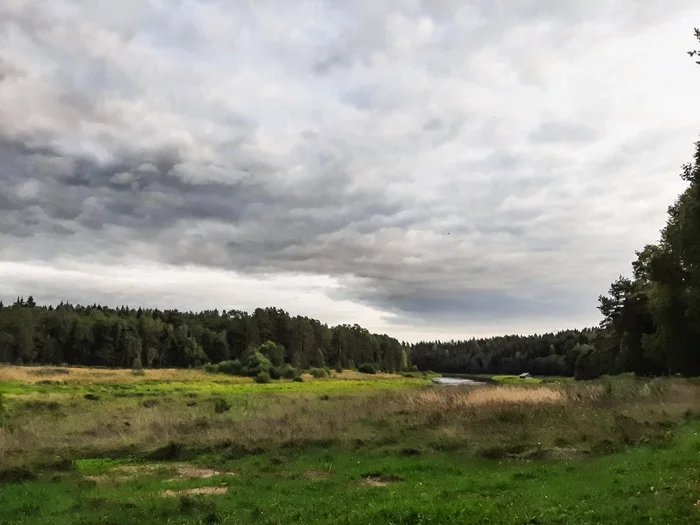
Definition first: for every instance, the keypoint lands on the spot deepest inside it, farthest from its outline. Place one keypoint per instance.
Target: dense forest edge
(650, 326)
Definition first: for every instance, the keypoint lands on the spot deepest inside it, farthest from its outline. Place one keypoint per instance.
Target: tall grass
(130, 420)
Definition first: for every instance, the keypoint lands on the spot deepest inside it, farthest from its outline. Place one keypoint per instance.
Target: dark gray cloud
(444, 162)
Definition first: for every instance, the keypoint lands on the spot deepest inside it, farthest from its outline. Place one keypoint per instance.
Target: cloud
(463, 167)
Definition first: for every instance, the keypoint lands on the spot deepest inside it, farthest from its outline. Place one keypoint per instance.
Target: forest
(135, 338)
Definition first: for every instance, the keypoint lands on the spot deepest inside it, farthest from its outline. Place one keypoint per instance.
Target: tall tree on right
(654, 320)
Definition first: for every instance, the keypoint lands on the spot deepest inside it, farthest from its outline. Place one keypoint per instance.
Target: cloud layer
(452, 167)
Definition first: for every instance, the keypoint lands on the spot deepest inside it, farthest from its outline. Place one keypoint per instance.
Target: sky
(428, 169)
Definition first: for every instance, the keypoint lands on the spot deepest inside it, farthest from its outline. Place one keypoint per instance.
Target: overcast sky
(431, 169)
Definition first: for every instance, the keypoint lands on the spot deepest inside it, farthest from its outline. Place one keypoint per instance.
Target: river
(456, 381)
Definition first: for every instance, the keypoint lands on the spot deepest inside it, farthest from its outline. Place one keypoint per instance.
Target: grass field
(178, 446)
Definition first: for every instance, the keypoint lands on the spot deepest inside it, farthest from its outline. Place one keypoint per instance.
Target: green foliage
(318, 373)
(288, 372)
(254, 363)
(367, 368)
(542, 354)
(232, 368)
(273, 352)
(262, 377)
(116, 337)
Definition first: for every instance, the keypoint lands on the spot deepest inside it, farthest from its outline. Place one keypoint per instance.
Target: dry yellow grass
(486, 398)
(110, 376)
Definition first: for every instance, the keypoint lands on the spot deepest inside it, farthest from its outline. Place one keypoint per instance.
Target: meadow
(86, 446)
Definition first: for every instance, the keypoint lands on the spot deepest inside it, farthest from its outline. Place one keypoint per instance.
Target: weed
(49, 372)
(221, 405)
(16, 475)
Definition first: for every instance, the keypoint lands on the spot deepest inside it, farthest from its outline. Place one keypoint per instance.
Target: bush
(339, 369)
(298, 379)
(367, 368)
(288, 372)
(262, 377)
(221, 405)
(275, 372)
(232, 368)
(254, 363)
(413, 368)
(318, 373)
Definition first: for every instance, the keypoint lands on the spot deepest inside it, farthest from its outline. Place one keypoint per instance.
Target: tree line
(545, 354)
(126, 337)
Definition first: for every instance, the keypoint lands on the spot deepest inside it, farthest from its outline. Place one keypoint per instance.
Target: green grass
(619, 450)
(216, 387)
(639, 485)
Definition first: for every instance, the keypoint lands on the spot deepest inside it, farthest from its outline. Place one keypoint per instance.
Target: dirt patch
(108, 480)
(317, 474)
(137, 469)
(202, 491)
(201, 473)
(380, 481)
(554, 453)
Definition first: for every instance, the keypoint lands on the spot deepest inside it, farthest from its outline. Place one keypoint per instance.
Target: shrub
(138, 372)
(254, 363)
(232, 368)
(221, 405)
(288, 372)
(318, 373)
(413, 368)
(298, 379)
(367, 368)
(275, 372)
(262, 377)
(211, 369)
(339, 369)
